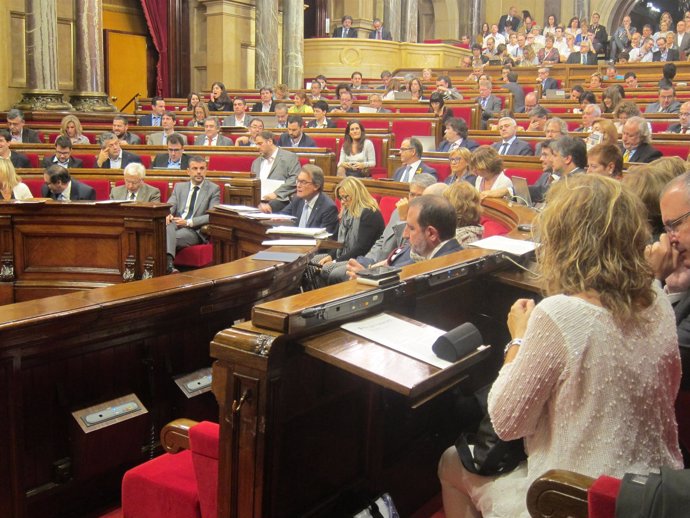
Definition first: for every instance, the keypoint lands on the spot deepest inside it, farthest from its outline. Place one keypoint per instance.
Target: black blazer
(127, 158)
(351, 33)
(258, 105)
(72, 162)
(673, 55)
(78, 191)
(645, 153)
(30, 136)
(329, 123)
(161, 160)
(323, 215)
(19, 160)
(576, 57)
(305, 141)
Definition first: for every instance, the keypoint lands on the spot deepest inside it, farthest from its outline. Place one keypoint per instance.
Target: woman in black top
(220, 101)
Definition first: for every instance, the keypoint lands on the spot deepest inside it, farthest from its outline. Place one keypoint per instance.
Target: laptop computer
(521, 190)
(401, 96)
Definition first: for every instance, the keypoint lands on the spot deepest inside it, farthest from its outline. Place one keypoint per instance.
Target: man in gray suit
(489, 103)
(510, 144)
(275, 164)
(667, 102)
(134, 188)
(160, 138)
(682, 38)
(189, 212)
(239, 116)
(379, 32)
(518, 92)
(212, 136)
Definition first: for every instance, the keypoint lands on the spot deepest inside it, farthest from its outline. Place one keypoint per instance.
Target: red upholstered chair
(145, 159)
(195, 256)
(493, 227)
(531, 175)
(102, 188)
(680, 150)
(176, 485)
(387, 206)
(34, 185)
(409, 128)
(89, 160)
(231, 163)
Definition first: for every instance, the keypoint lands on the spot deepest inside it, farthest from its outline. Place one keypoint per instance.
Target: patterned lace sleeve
(524, 386)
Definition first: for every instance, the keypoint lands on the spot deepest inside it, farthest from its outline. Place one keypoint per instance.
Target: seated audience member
(193, 100)
(294, 136)
(155, 118)
(603, 132)
(576, 92)
(199, 116)
(376, 102)
(427, 74)
(669, 74)
(549, 55)
(60, 186)
(135, 189)
(630, 80)
(595, 81)
(554, 129)
(112, 156)
(465, 200)
(394, 87)
(310, 206)
(256, 126)
(281, 116)
(416, 89)
(683, 125)
(281, 93)
(70, 126)
(274, 163)
(266, 104)
(610, 99)
(361, 223)
(589, 113)
(537, 191)
(667, 102)
(547, 83)
(489, 103)
(438, 108)
(302, 104)
(357, 155)
(636, 140)
(643, 54)
(518, 92)
(160, 138)
(477, 54)
(320, 120)
(455, 136)
(491, 182)
(175, 158)
(212, 135)
(459, 160)
(569, 156)
(18, 160)
(587, 98)
(411, 151)
(601, 314)
(392, 236)
(220, 100)
(11, 185)
(584, 56)
(356, 81)
(444, 86)
(345, 103)
(386, 77)
(63, 155)
(538, 117)
(510, 144)
(121, 131)
(664, 53)
(623, 112)
(647, 182)
(239, 117)
(19, 133)
(531, 102)
(345, 30)
(190, 202)
(605, 160)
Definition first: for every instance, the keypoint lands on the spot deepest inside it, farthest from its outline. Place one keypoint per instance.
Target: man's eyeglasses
(304, 182)
(406, 148)
(671, 227)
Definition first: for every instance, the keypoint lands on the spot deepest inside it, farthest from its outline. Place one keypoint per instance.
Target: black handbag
(492, 456)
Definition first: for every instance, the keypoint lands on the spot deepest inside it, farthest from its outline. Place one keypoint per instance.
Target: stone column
(293, 43)
(41, 58)
(581, 9)
(90, 93)
(409, 21)
(267, 43)
(391, 17)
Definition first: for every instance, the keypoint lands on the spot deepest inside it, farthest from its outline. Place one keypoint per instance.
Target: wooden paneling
(126, 66)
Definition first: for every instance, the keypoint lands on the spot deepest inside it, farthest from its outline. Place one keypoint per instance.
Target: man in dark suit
(112, 156)
(547, 83)
(135, 189)
(568, 156)
(511, 17)
(683, 125)
(212, 136)
(63, 155)
(411, 151)
(121, 129)
(518, 92)
(294, 136)
(320, 120)
(510, 144)
(310, 206)
(667, 102)
(682, 38)
(60, 186)
(455, 136)
(274, 163)
(636, 137)
(380, 32)
(671, 255)
(155, 118)
(175, 158)
(600, 35)
(18, 133)
(17, 159)
(584, 57)
(189, 212)
(345, 103)
(267, 104)
(346, 31)
(376, 102)
(489, 103)
(664, 53)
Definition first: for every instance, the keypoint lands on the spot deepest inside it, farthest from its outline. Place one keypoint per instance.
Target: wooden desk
(50, 248)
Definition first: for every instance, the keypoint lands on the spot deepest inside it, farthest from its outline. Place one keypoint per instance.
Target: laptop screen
(521, 190)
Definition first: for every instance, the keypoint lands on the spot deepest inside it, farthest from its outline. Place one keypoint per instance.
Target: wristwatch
(514, 341)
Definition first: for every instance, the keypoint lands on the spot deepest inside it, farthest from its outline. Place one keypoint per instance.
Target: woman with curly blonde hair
(599, 353)
(465, 200)
(70, 126)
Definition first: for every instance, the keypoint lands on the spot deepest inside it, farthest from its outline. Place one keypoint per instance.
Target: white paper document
(241, 209)
(317, 233)
(263, 215)
(289, 242)
(505, 244)
(405, 337)
(268, 186)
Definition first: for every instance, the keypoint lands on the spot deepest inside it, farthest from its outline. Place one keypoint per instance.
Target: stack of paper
(239, 209)
(506, 244)
(316, 233)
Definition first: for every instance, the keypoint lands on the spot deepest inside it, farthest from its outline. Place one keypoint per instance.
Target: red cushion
(531, 175)
(203, 440)
(327, 142)
(680, 150)
(164, 487)
(89, 160)
(231, 163)
(33, 160)
(102, 188)
(442, 170)
(387, 206)
(34, 185)
(493, 227)
(146, 160)
(409, 128)
(601, 497)
(195, 256)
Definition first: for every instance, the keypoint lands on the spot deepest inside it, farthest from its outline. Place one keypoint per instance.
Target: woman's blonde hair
(647, 181)
(8, 175)
(593, 233)
(204, 108)
(66, 120)
(608, 130)
(461, 152)
(360, 198)
(465, 200)
(674, 165)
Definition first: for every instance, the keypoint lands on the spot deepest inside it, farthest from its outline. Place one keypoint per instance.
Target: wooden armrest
(175, 435)
(559, 494)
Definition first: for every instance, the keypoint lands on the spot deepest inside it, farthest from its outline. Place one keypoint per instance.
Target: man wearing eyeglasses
(669, 259)
(175, 158)
(411, 157)
(63, 154)
(310, 207)
(683, 125)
